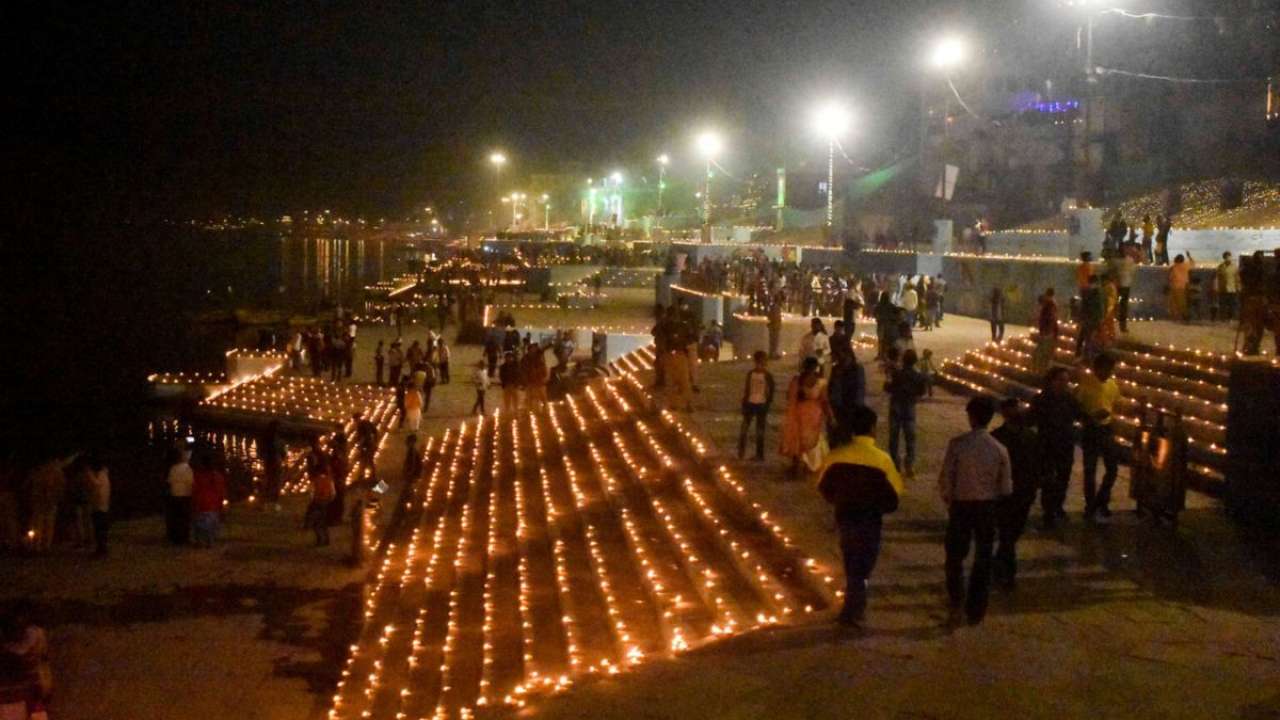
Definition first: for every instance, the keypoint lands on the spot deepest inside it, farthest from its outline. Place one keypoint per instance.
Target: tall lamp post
(945, 56)
(663, 161)
(546, 211)
(831, 120)
(709, 146)
(497, 159)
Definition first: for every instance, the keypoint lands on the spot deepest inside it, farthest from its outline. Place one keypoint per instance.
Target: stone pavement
(1118, 620)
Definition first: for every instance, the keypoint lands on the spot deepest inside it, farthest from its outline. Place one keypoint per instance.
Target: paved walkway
(1122, 620)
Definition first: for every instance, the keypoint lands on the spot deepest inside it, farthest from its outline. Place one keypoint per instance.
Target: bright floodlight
(663, 159)
(831, 120)
(948, 53)
(498, 159)
(616, 177)
(709, 145)
(545, 197)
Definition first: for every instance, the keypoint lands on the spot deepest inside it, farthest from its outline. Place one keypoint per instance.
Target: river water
(96, 314)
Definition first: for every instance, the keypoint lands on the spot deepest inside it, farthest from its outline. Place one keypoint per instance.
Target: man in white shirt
(910, 302)
(815, 344)
(976, 473)
(178, 504)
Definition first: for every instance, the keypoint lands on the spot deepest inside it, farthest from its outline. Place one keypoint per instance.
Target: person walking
(1054, 412)
(442, 361)
(1093, 309)
(996, 303)
(1164, 226)
(99, 503)
(975, 475)
(1046, 332)
(851, 305)
(909, 301)
(860, 482)
(886, 317)
(757, 397)
(1097, 393)
(424, 381)
(339, 470)
(77, 496)
(1122, 269)
(322, 492)
(178, 505)
(337, 356)
(905, 387)
(379, 359)
(1084, 271)
(412, 406)
(846, 391)
(509, 377)
(1227, 278)
(1020, 441)
(479, 379)
(46, 486)
(208, 491)
(1179, 279)
(536, 376)
(841, 341)
(816, 344)
(808, 413)
(492, 351)
(395, 361)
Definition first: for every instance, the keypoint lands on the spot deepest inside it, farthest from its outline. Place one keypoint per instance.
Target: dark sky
(199, 107)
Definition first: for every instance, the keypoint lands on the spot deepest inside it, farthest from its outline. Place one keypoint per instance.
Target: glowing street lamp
(497, 159)
(709, 145)
(663, 162)
(546, 211)
(831, 120)
(948, 53)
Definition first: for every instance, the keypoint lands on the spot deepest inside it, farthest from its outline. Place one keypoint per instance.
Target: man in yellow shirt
(1179, 278)
(860, 480)
(1097, 393)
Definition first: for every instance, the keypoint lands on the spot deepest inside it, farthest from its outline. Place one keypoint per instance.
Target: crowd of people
(1145, 242)
(989, 480)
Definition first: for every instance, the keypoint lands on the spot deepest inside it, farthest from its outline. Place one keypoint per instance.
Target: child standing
(757, 396)
(928, 370)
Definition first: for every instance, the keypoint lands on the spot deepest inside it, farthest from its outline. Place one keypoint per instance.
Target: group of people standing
(1153, 246)
(58, 494)
(413, 373)
(989, 482)
(196, 497)
(330, 349)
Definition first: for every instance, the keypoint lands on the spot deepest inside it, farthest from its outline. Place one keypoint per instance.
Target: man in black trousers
(975, 476)
(1054, 412)
(1019, 441)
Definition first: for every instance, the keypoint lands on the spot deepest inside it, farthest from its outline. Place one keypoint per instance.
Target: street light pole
(831, 120)
(662, 175)
(497, 159)
(706, 195)
(831, 182)
(709, 144)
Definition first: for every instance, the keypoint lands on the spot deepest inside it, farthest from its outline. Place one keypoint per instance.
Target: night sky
(188, 109)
